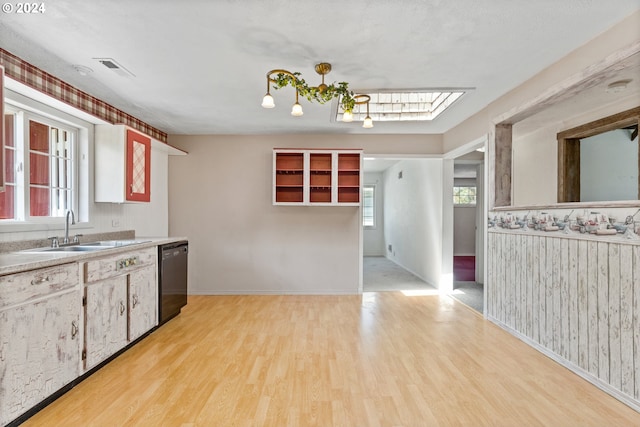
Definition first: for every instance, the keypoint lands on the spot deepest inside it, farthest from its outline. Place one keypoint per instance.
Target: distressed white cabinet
(122, 165)
(121, 302)
(143, 301)
(40, 336)
(106, 319)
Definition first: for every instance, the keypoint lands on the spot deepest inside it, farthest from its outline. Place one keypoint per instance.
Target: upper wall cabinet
(316, 177)
(122, 165)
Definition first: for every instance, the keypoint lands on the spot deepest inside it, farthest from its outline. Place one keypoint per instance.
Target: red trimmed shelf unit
(316, 177)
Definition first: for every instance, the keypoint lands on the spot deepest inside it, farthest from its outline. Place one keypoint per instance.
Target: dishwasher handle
(170, 251)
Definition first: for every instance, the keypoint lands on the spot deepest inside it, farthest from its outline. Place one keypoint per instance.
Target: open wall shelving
(289, 180)
(317, 177)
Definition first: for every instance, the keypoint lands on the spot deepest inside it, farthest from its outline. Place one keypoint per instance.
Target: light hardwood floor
(377, 359)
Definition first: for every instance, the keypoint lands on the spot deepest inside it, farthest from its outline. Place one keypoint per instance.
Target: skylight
(397, 106)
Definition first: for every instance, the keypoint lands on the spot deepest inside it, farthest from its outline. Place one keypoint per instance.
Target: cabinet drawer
(23, 287)
(115, 265)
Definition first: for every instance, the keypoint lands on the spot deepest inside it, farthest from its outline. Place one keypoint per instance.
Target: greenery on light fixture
(320, 94)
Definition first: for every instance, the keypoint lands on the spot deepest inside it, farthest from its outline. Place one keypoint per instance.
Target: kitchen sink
(113, 243)
(75, 248)
(89, 247)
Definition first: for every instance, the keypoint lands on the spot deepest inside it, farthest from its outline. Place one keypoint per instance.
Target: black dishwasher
(172, 279)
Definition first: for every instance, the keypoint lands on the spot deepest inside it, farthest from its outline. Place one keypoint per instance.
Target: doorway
(471, 160)
(401, 248)
(467, 189)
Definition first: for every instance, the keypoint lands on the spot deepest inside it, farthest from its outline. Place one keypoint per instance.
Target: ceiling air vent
(114, 66)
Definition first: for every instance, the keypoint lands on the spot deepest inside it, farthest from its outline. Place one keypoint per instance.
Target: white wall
(464, 230)
(373, 238)
(221, 199)
(413, 216)
(609, 167)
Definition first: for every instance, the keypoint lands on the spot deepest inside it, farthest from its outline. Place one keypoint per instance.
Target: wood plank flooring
(377, 359)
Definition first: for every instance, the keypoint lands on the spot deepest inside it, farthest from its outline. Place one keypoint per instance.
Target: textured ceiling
(200, 66)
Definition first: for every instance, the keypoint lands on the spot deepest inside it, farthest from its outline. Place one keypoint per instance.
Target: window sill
(21, 226)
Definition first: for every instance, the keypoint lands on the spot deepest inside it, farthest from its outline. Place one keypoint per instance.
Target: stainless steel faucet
(66, 226)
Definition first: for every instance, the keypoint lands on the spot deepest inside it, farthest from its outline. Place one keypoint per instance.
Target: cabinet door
(138, 167)
(106, 319)
(143, 301)
(39, 351)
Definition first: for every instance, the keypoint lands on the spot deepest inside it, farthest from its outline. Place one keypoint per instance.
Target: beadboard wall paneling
(576, 299)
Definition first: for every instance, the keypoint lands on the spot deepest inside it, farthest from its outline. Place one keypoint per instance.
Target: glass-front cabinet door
(138, 183)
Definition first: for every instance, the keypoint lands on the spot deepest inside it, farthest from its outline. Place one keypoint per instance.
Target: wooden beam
(568, 170)
(606, 124)
(502, 167)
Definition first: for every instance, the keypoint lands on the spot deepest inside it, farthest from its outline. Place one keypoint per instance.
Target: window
(40, 168)
(464, 195)
(407, 105)
(369, 206)
(598, 164)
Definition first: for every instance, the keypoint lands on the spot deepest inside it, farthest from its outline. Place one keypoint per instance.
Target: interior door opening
(468, 215)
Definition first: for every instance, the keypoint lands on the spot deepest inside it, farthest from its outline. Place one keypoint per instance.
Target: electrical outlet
(390, 248)
(115, 223)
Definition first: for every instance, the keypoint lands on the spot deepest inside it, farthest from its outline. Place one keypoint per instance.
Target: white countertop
(16, 262)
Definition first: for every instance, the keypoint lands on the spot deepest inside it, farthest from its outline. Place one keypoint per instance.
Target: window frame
(23, 221)
(28, 116)
(373, 207)
(568, 183)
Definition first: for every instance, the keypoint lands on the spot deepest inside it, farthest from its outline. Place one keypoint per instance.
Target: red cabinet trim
(138, 167)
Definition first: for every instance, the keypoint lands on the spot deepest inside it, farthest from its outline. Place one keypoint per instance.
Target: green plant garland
(313, 94)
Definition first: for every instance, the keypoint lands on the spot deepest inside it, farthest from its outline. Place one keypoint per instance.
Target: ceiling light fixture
(82, 70)
(321, 93)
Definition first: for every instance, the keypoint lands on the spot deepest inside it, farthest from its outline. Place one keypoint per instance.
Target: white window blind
(368, 205)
